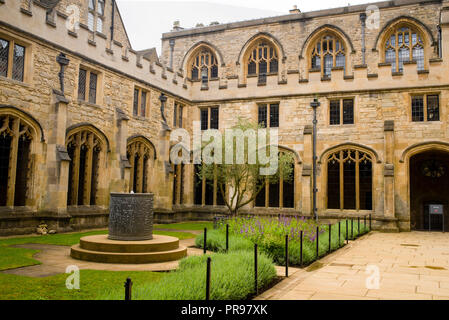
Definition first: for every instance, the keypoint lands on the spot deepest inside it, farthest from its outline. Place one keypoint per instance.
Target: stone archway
(429, 185)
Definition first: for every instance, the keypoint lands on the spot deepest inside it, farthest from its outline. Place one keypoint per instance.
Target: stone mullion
(10, 59)
(267, 193)
(342, 182)
(178, 184)
(215, 187)
(76, 169)
(281, 189)
(131, 176)
(12, 170)
(88, 170)
(203, 192)
(357, 181)
(139, 185)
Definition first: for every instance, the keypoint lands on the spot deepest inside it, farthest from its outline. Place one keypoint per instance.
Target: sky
(146, 20)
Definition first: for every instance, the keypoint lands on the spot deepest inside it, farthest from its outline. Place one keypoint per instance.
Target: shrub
(269, 234)
(232, 278)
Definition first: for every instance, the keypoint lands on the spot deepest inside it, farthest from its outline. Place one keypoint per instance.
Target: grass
(274, 247)
(186, 226)
(93, 285)
(21, 257)
(232, 278)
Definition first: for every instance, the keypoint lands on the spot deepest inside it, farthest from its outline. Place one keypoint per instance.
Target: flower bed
(269, 234)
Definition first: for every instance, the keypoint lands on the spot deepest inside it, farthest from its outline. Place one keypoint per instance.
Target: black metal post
(358, 226)
(205, 240)
(300, 249)
(256, 287)
(286, 255)
(128, 289)
(317, 243)
(369, 222)
(209, 260)
(347, 236)
(352, 228)
(330, 238)
(314, 104)
(227, 237)
(339, 234)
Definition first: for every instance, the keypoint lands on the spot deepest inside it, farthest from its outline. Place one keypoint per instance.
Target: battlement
(93, 47)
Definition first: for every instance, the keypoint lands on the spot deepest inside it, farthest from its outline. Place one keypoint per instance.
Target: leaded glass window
(4, 55)
(262, 115)
(268, 109)
(341, 111)
(93, 88)
(433, 108)
(82, 84)
(404, 44)
(18, 65)
(418, 108)
(263, 58)
(331, 51)
(204, 63)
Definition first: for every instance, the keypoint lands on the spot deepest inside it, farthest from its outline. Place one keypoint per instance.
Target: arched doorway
(429, 185)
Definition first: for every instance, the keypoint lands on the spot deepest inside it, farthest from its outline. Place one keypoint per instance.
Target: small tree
(241, 182)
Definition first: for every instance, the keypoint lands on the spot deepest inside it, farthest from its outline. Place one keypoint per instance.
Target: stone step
(101, 243)
(127, 258)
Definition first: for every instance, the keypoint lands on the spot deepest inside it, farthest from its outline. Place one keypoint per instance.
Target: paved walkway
(55, 260)
(411, 266)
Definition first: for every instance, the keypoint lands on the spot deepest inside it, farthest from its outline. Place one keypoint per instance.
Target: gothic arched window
(204, 65)
(263, 59)
(349, 180)
(139, 154)
(328, 52)
(404, 44)
(85, 150)
(16, 137)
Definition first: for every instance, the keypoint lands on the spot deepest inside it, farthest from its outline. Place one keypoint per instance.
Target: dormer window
(95, 15)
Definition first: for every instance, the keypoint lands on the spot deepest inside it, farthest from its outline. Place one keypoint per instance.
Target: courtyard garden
(232, 261)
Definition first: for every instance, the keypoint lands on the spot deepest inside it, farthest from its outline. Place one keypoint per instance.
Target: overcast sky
(146, 20)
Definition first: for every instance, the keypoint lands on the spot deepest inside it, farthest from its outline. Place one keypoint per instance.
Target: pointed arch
(422, 147)
(190, 54)
(404, 39)
(87, 147)
(87, 126)
(19, 132)
(259, 36)
(350, 145)
(326, 28)
(403, 20)
(26, 117)
(145, 140)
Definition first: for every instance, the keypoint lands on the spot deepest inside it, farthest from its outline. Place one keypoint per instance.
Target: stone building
(80, 111)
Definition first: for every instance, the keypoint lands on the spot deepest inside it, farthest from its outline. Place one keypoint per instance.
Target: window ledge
(90, 104)
(435, 60)
(423, 72)
(384, 64)
(12, 81)
(397, 74)
(139, 118)
(314, 70)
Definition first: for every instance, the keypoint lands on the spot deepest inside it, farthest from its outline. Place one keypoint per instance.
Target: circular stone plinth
(103, 244)
(101, 249)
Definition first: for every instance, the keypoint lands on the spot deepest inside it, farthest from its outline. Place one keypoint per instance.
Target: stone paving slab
(412, 266)
(55, 259)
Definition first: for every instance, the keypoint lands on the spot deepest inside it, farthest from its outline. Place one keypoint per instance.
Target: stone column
(389, 169)
(306, 180)
(58, 159)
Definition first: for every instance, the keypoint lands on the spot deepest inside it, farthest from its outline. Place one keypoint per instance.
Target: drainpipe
(172, 48)
(112, 20)
(363, 21)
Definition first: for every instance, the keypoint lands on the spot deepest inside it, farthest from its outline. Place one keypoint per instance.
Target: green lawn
(93, 285)
(186, 226)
